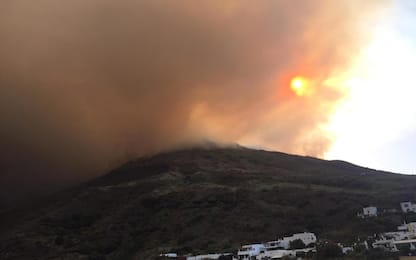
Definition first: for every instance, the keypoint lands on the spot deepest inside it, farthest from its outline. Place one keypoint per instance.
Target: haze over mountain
(85, 85)
(200, 200)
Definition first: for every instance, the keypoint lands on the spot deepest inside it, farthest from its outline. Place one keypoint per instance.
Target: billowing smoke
(85, 85)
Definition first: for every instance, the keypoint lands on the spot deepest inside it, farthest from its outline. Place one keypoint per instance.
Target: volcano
(202, 200)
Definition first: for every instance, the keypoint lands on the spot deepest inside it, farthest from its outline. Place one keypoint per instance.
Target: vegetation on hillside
(207, 200)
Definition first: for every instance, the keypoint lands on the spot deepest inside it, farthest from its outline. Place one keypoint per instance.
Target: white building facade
(405, 234)
(208, 256)
(250, 252)
(278, 248)
(306, 237)
(408, 206)
(368, 212)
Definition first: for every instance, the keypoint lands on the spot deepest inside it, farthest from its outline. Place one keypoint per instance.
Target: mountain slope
(202, 200)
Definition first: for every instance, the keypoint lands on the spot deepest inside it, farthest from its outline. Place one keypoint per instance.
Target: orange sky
(88, 84)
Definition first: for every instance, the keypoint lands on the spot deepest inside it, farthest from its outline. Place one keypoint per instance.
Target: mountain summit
(200, 200)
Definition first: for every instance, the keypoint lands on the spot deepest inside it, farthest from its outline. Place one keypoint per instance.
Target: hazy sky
(86, 85)
(376, 126)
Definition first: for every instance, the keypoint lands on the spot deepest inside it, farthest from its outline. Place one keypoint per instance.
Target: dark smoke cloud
(87, 84)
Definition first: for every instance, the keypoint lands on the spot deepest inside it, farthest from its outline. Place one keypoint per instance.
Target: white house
(273, 245)
(208, 256)
(346, 249)
(409, 229)
(397, 235)
(370, 211)
(169, 255)
(249, 252)
(306, 237)
(405, 231)
(406, 234)
(391, 244)
(408, 206)
(385, 244)
(279, 253)
(275, 254)
(284, 243)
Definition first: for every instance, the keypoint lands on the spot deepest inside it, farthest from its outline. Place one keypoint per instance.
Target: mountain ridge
(206, 199)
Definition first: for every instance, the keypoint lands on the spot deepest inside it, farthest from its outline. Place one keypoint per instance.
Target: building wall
(370, 211)
(408, 206)
(307, 239)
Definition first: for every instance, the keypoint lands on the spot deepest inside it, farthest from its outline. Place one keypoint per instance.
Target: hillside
(201, 200)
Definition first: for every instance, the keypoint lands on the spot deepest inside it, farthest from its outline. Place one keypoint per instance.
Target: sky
(376, 124)
(87, 85)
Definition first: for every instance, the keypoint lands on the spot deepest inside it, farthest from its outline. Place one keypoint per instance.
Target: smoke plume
(87, 84)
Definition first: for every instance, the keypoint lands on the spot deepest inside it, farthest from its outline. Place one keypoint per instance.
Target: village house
(278, 248)
(171, 256)
(227, 256)
(276, 254)
(284, 243)
(408, 207)
(249, 252)
(367, 212)
(282, 253)
(391, 244)
(281, 248)
(406, 235)
(306, 237)
(346, 249)
(271, 250)
(174, 256)
(385, 244)
(405, 231)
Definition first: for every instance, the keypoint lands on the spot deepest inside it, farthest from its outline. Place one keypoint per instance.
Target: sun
(299, 85)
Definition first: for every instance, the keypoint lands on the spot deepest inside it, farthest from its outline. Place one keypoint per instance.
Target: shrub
(296, 244)
(328, 250)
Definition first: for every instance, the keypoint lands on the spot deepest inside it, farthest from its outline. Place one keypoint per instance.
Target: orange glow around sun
(299, 85)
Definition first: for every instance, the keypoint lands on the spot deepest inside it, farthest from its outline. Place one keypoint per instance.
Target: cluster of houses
(404, 236)
(279, 248)
(305, 245)
(276, 249)
(392, 241)
(372, 211)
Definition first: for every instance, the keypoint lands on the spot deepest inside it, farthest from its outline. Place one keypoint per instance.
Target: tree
(328, 250)
(296, 244)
